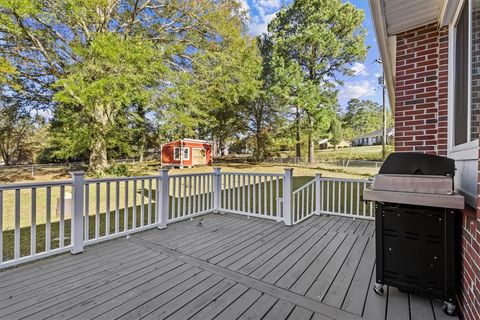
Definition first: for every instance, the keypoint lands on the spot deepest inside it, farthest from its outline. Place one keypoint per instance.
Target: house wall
(421, 117)
(421, 90)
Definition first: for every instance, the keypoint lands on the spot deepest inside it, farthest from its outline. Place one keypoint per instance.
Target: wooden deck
(217, 266)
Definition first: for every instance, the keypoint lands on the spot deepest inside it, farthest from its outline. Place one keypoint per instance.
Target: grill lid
(418, 164)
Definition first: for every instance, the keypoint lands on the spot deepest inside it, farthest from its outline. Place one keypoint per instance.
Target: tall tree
(16, 126)
(263, 116)
(76, 50)
(363, 116)
(336, 131)
(208, 94)
(315, 41)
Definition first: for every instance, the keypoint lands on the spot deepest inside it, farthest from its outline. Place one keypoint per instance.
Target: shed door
(199, 157)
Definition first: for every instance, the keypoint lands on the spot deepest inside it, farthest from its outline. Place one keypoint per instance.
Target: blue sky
(364, 84)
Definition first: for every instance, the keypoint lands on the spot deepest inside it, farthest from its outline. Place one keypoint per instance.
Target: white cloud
(360, 89)
(244, 5)
(268, 4)
(360, 69)
(47, 114)
(261, 27)
(261, 12)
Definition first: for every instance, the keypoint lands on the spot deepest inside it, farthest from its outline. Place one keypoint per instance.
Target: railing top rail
(31, 185)
(120, 179)
(345, 179)
(254, 174)
(304, 186)
(191, 174)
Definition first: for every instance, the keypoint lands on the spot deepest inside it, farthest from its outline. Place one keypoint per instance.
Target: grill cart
(416, 219)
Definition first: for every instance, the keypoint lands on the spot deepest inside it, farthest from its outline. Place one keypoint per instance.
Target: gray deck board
(339, 287)
(166, 309)
(300, 313)
(62, 279)
(189, 309)
(294, 273)
(229, 254)
(259, 308)
(281, 310)
(58, 292)
(119, 290)
(237, 308)
(357, 293)
(420, 308)
(319, 288)
(227, 267)
(398, 303)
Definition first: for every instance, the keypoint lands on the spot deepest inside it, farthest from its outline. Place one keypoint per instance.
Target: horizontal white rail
(344, 197)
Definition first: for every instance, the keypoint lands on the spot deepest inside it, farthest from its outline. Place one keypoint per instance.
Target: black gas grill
(416, 217)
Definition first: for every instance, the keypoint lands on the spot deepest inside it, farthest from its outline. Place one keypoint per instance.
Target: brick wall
(470, 275)
(421, 96)
(421, 107)
(469, 293)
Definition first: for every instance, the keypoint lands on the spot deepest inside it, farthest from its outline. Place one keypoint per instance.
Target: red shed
(186, 153)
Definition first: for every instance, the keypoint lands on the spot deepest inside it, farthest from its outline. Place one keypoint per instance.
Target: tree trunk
(298, 152)
(98, 155)
(98, 146)
(311, 149)
(143, 133)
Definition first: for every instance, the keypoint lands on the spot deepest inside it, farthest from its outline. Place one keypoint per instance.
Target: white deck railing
(42, 219)
(250, 194)
(344, 197)
(304, 201)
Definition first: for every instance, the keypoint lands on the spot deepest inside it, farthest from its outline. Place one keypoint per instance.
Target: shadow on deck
(216, 266)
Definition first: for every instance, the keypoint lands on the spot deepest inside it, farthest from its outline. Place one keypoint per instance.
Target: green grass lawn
(372, 153)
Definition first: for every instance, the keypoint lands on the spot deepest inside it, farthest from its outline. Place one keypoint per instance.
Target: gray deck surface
(229, 267)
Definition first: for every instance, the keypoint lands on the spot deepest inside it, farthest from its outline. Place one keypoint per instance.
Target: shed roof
(189, 140)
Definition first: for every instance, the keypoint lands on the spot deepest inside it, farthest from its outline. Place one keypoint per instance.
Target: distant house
(326, 144)
(373, 138)
(186, 153)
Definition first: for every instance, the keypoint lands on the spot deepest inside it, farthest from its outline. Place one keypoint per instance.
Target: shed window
(176, 154)
(186, 153)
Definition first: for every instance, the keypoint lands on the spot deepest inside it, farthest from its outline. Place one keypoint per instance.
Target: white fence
(344, 197)
(42, 219)
(256, 195)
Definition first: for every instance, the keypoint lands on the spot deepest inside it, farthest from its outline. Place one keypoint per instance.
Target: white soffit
(404, 15)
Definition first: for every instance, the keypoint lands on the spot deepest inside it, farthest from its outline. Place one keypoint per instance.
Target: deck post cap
(77, 173)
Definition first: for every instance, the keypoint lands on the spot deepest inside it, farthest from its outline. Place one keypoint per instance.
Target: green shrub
(118, 170)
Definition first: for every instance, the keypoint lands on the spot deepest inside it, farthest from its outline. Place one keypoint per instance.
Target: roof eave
(385, 45)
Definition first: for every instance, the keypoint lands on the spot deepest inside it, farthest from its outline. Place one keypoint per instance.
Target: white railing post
(217, 189)
(319, 194)
(287, 196)
(162, 199)
(77, 211)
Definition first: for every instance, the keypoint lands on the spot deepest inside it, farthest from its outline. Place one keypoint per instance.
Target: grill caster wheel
(378, 288)
(449, 308)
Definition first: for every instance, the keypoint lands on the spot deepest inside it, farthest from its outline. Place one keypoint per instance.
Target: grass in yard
(373, 153)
